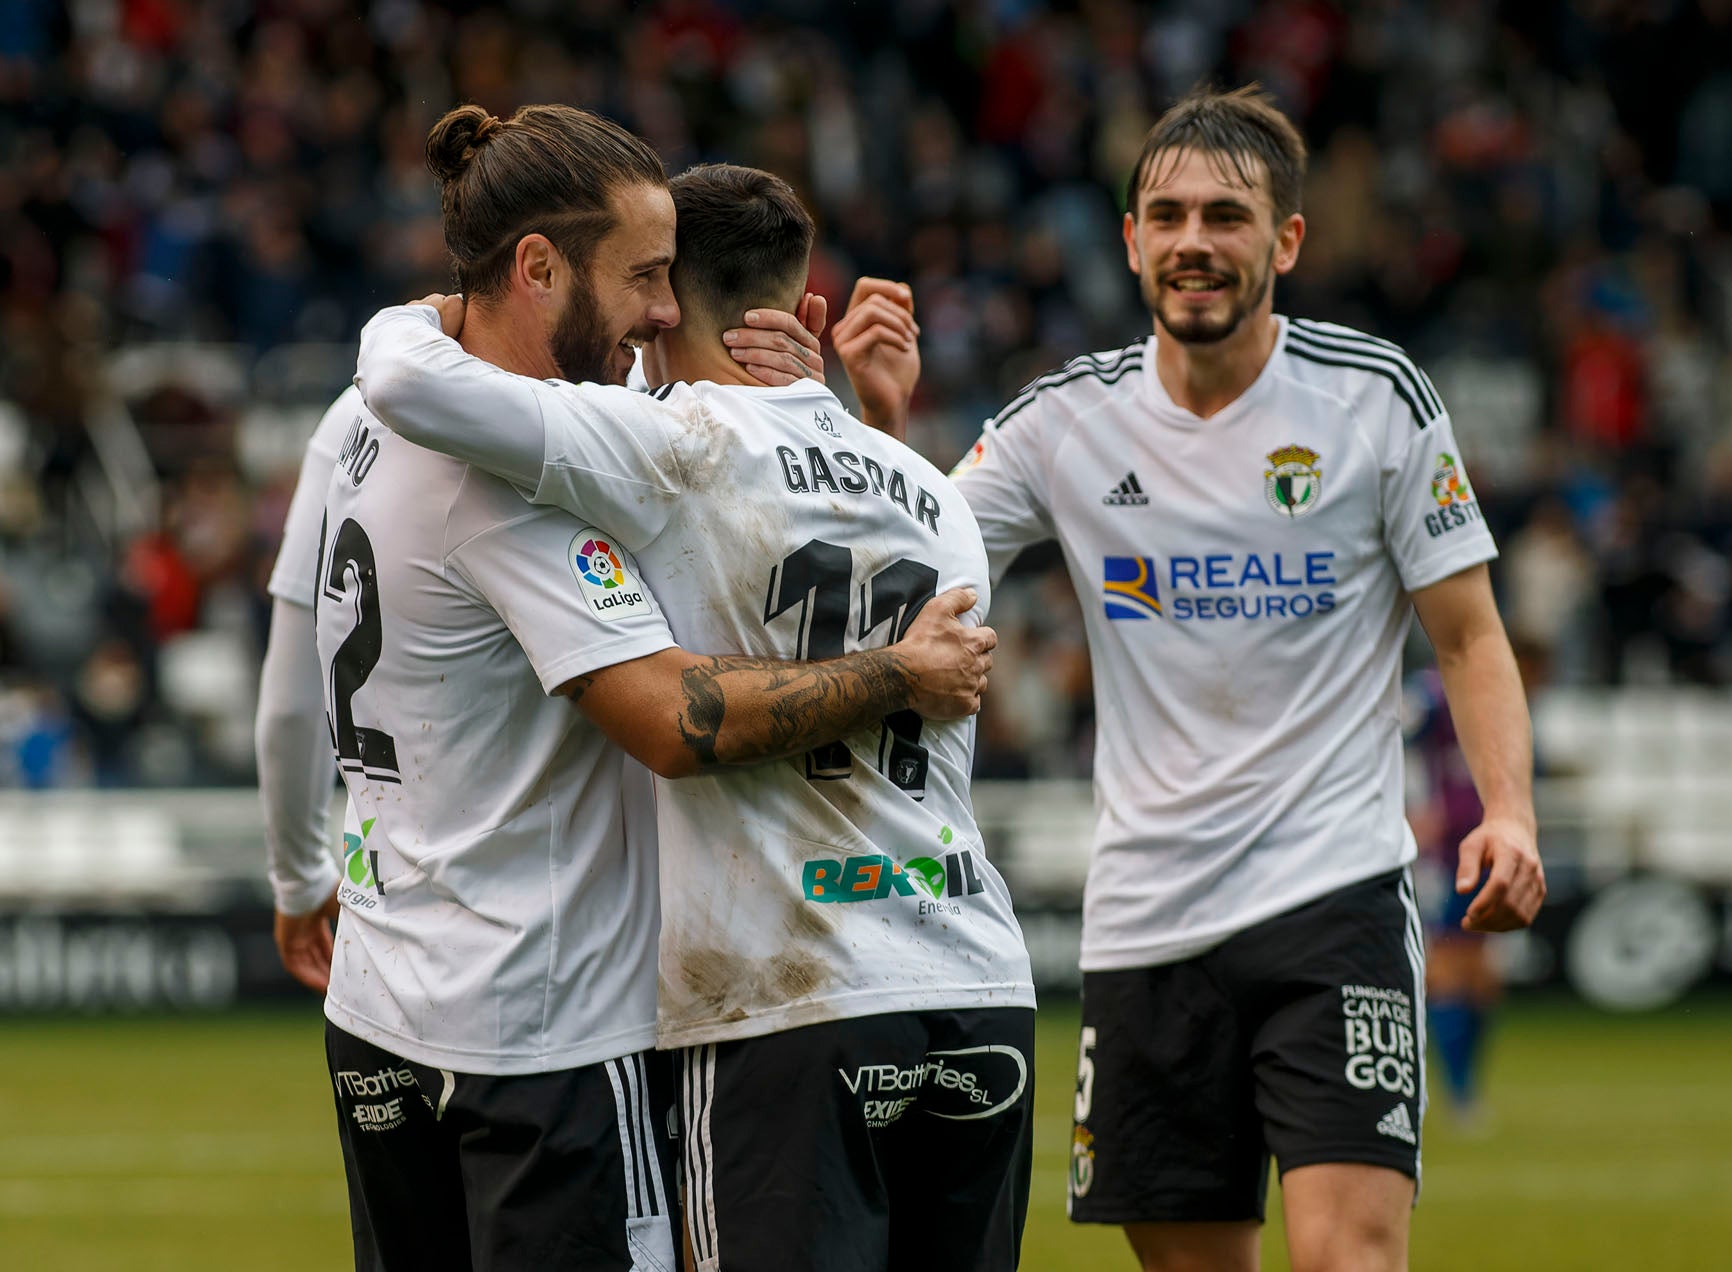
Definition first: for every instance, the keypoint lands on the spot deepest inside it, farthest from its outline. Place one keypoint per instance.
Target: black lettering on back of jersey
(821, 475)
(360, 452)
(899, 491)
(852, 481)
(876, 473)
(926, 509)
(793, 476)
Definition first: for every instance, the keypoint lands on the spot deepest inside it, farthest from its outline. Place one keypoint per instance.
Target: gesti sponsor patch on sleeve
(611, 590)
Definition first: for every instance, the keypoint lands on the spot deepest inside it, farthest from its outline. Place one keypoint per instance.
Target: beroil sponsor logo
(934, 883)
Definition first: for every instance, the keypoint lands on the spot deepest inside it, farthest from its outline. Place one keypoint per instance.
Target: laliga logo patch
(971, 459)
(596, 564)
(1294, 483)
(601, 576)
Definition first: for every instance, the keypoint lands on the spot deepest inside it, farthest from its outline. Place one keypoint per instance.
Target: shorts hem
(1174, 1212)
(1349, 1155)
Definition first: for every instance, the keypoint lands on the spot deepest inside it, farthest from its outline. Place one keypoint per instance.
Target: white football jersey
(1244, 582)
(297, 557)
(845, 882)
(499, 890)
(302, 872)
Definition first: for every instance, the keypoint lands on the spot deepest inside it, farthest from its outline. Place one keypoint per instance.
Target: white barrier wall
(133, 899)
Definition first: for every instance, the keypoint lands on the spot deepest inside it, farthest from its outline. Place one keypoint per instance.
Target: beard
(580, 344)
(1197, 328)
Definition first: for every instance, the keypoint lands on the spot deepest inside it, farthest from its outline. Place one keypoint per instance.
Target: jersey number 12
(352, 571)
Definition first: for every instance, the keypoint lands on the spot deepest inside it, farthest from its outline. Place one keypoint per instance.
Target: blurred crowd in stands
(1533, 196)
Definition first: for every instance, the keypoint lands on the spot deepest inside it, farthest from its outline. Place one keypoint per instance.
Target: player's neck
(1206, 378)
(691, 357)
(509, 339)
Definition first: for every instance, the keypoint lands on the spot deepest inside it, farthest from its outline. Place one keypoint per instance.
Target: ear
(537, 266)
(1132, 255)
(1287, 240)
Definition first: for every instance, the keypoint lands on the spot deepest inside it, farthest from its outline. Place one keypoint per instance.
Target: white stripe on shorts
(643, 1128)
(697, 1095)
(1414, 939)
(624, 1115)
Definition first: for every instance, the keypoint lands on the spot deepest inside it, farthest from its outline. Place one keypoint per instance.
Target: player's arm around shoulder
(1490, 711)
(430, 391)
(681, 714)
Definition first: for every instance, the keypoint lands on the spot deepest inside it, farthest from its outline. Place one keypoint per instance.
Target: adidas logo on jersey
(1127, 494)
(1398, 1125)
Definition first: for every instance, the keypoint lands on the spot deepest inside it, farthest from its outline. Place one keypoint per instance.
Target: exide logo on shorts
(380, 1117)
(874, 876)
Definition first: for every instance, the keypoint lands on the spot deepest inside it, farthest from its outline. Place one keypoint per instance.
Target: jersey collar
(1161, 402)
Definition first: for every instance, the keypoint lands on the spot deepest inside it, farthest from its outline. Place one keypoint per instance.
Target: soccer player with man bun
(1251, 507)
(840, 965)
(488, 667)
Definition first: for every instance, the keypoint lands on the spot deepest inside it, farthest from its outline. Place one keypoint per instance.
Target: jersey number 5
(352, 572)
(818, 580)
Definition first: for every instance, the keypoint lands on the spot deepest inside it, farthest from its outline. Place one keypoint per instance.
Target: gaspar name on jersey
(846, 473)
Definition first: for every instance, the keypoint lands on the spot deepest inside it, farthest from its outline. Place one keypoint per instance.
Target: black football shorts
(1302, 1038)
(898, 1141)
(568, 1171)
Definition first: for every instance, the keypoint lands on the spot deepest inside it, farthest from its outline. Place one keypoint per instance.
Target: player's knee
(1364, 1242)
(1195, 1247)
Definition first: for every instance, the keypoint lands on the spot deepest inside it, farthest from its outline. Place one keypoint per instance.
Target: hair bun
(457, 138)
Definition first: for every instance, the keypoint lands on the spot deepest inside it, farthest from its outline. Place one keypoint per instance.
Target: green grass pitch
(194, 1144)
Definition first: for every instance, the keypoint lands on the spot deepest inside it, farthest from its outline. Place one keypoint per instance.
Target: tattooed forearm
(576, 687)
(744, 710)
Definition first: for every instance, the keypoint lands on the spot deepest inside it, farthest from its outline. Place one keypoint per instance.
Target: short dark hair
(743, 238)
(547, 170)
(1232, 128)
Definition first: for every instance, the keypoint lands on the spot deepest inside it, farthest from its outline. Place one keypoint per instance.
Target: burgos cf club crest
(1293, 483)
(1448, 482)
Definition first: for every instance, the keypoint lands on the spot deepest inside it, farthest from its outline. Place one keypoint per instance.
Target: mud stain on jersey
(730, 986)
(702, 450)
(799, 976)
(808, 922)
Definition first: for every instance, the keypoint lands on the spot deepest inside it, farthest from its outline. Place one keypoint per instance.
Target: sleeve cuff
(303, 896)
(1429, 572)
(595, 657)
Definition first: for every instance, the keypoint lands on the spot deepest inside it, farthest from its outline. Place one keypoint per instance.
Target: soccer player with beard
(840, 965)
(291, 737)
(1251, 507)
(492, 989)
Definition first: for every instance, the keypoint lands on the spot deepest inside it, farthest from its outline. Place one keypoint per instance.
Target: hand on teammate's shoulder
(450, 310)
(947, 659)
